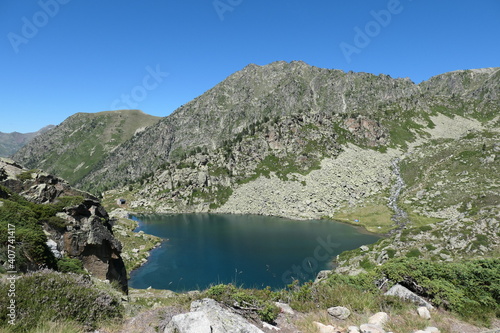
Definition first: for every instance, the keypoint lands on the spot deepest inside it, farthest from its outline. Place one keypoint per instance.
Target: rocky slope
(293, 140)
(75, 226)
(10, 143)
(83, 140)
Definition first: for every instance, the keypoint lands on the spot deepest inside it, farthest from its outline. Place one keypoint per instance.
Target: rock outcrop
(84, 231)
(208, 316)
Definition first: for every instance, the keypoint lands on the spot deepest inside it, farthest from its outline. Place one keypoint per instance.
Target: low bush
(48, 296)
(260, 301)
(471, 288)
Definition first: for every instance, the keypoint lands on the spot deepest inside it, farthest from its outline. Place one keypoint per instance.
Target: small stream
(400, 216)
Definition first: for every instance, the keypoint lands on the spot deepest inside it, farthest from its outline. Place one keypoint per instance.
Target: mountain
(73, 148)
(417, 162)
(10, 143)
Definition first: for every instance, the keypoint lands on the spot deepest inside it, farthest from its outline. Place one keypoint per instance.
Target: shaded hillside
(10, 143)
(73, 148)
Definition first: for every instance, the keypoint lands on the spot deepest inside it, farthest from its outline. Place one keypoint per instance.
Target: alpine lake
(252, 251)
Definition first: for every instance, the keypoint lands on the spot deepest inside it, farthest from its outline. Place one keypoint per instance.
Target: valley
(416, 164)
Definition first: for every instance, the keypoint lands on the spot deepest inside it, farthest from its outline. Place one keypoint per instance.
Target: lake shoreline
(219, 231)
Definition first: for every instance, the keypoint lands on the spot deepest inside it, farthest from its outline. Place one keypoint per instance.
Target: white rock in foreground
(423, 312)
(209, 316)
(379, 319)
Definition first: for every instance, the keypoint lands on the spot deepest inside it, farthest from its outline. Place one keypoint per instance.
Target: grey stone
(322, 275)
(379, 319)
(406, 294)
(208, 313)
(353, 329)
(423, 312)
(339, 312)
(53, 248)
(192, 322)
(371, 328)
(285, 308)
(325, 328)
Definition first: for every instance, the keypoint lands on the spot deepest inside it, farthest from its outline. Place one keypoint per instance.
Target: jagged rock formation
(83, 229)
(10, 143)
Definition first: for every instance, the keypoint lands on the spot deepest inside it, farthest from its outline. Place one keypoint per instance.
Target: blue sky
(59, 57)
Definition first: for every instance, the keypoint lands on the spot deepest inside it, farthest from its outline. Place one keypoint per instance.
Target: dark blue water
(247, 250)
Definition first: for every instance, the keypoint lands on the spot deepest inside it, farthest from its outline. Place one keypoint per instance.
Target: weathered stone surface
(322, 275)
(325, 328)
(339, 312)
(371, 328)
(209, 316)
(353, 329)
(423, 312)
(379, 319)
(192, 322)
(53, 248)
(406, 294)
(87, 233)
(285, 308)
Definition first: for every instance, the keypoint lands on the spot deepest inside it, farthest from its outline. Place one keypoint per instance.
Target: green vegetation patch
(375, 218)
(52, 296)
(260, 301)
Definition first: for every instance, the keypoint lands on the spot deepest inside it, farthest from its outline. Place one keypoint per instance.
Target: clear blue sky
(84, 55)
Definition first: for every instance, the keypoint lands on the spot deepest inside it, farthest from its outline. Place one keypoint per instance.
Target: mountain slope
(248, 97)
(75, 146)
(10, 143)
(288, 139)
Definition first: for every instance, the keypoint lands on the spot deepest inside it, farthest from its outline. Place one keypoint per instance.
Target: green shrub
(52, 296)
(470, 289)
(413, 253)
(56, 222)
(25, 175)
(70, 265)
(261, 301)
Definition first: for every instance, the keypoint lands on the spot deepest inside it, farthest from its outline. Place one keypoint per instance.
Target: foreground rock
(406, 294)
(339, 312)
(84, 229)
(209, 316)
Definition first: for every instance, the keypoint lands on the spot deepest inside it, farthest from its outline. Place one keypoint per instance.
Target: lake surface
(250, 250)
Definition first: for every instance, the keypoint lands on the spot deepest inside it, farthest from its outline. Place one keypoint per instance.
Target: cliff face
(81, 229)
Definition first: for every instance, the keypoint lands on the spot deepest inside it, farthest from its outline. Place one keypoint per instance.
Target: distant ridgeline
(10, 143)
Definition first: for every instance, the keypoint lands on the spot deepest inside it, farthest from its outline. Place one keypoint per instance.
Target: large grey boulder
(339, 312)
(371, 328)
(192, 322)
(406, 294)
(209, 316)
